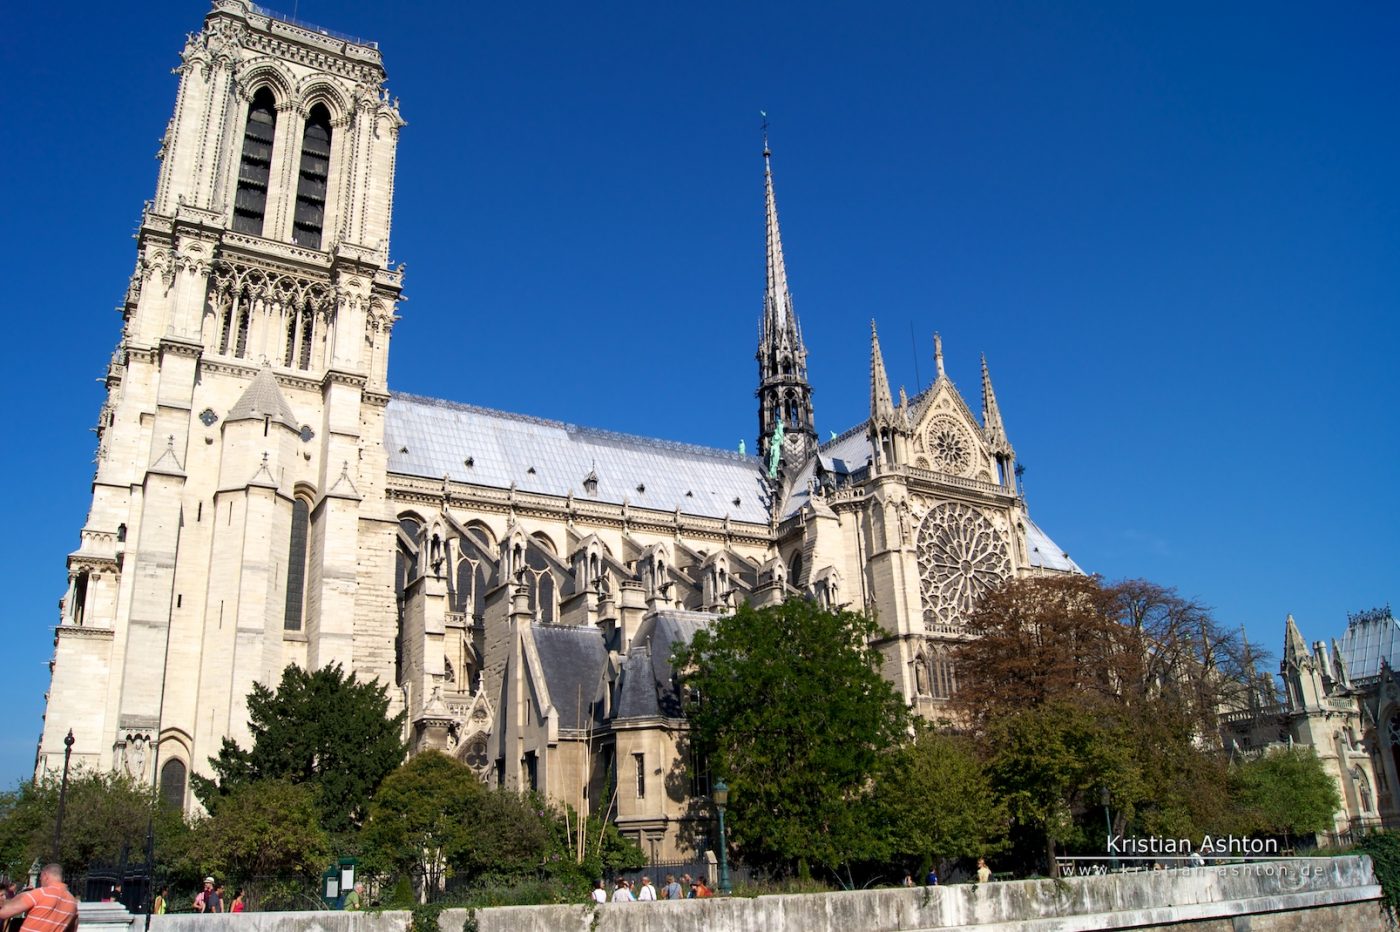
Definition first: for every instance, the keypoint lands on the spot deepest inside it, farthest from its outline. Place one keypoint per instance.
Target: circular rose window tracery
(961, 557)
(949, 446)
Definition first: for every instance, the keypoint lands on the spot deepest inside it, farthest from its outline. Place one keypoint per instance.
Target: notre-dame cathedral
(262, 498)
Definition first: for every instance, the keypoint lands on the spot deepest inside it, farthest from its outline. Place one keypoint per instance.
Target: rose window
(961, 557)
(949, 446)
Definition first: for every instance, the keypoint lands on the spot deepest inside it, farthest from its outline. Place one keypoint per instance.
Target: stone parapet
(1323, 894)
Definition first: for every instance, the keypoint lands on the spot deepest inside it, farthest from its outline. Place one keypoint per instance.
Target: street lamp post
(721, 799)
(1108, 838)
(62, 794)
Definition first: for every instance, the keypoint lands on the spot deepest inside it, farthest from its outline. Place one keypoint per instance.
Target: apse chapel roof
(433, 438)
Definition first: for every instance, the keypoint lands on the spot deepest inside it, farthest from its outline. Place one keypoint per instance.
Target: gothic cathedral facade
(262, 498)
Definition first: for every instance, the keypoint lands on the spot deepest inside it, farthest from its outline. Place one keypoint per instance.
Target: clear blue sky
(1172, 227)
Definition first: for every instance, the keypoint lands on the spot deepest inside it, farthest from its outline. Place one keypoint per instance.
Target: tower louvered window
(311, 186)
(255, 167)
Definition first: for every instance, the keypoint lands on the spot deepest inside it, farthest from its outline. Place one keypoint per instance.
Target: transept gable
(947, 436)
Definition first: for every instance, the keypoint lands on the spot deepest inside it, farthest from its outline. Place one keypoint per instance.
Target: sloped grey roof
(648, 687)
(261, 398)
(1044, 552)
(844, 455)
(432, 438)
(573, 658)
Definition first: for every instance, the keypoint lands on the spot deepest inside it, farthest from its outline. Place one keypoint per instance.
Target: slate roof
(262, 397)
(431, 438)
(573, 658)
(1044, 552)
(647, 688)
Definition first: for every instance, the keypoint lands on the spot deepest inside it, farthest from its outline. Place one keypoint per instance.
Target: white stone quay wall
(1299, 895)
(324, 921)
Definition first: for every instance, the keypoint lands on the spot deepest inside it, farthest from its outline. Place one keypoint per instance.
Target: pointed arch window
(255, 165)
(172, 784)
(312, 182)
(296, 565)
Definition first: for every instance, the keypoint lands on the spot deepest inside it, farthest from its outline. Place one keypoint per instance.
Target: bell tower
(238, 521)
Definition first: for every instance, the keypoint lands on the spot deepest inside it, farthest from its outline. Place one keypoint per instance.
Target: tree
(265, 836)
(788, 706)
(937, 800)
(1054, 759)
(433, 815)
(320, 728)
(1284, 791)
(1142, 663)
(106, 813)
(421, 819)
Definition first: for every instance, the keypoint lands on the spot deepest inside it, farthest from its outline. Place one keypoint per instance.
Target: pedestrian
(689, 886)
(932, 879)
(672, 890)
(162, 902)
(599, 895)
(647, 893)
(355, 899)
(908, 879)
(239, 903)
(47, 908)
(984, 873)
(701, 889)
(622, 894)
(216, 899)
(201, 899)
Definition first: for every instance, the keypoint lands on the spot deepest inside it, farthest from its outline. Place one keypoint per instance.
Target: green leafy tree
(421, 819)
(938, 801)
(105, 813)
(1286, 792)
(1055, 759)
(433, 816)
(788, 706)
(320, 728)
(265, 836)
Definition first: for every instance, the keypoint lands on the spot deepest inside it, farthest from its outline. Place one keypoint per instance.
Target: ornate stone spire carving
(783, 390)
(992, 424)
(881, 403)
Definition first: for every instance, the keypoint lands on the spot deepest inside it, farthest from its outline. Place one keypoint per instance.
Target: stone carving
(961, 556)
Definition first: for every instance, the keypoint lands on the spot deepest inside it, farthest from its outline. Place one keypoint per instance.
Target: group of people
(984, 875)
(208, 900)
(687, 888)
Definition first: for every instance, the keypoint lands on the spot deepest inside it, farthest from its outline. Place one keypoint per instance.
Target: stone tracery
(961, 557)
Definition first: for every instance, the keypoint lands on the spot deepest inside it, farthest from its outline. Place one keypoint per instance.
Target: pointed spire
(779, 321)
(938, 354)
(881, 404)
(991, 413)
(784, 394)
(1295, 649)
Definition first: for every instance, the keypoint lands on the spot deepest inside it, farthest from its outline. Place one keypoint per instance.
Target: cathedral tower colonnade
(238, 520)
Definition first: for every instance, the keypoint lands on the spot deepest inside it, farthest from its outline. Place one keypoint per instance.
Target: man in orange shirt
(49, 908)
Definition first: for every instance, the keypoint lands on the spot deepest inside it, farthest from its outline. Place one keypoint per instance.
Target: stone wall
(1301, 895)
